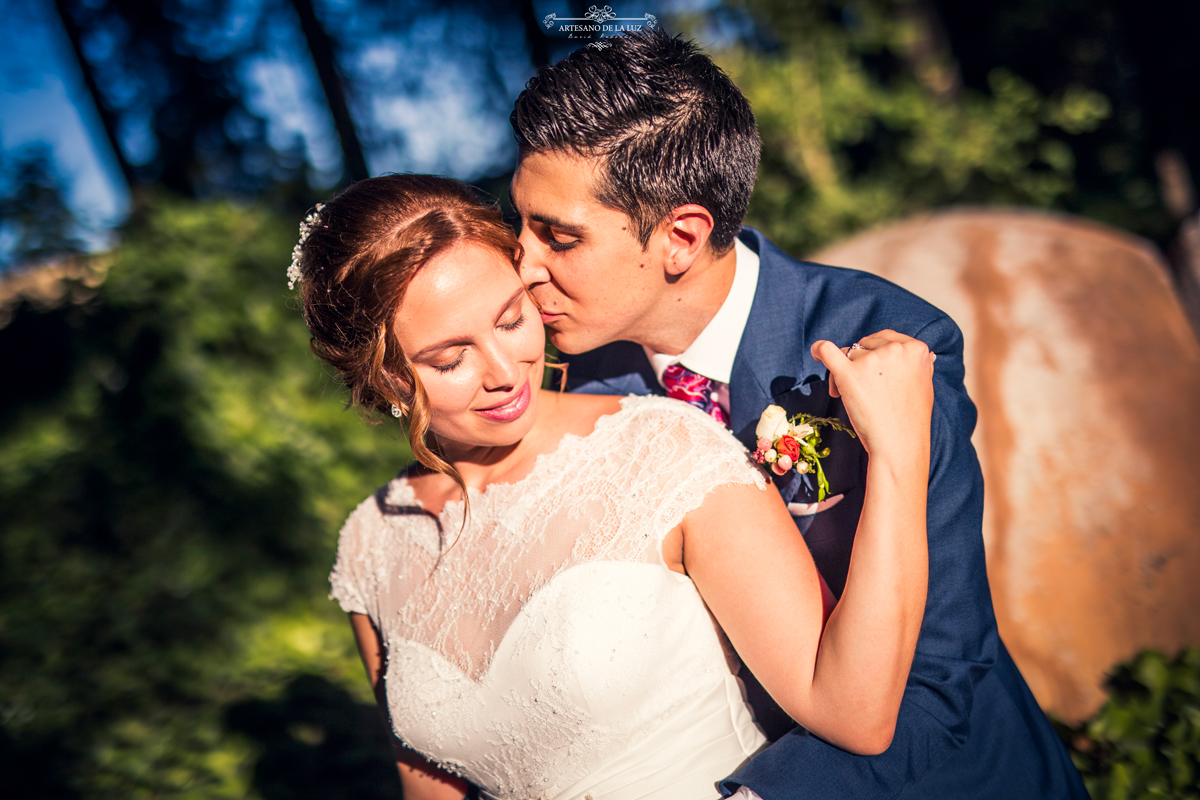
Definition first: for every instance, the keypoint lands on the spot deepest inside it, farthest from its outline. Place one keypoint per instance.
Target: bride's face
(477, 345)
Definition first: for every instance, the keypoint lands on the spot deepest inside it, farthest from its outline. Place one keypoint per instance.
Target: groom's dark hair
(668, 126)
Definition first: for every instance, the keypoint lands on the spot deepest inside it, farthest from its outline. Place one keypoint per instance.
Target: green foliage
(174, 467)
(861, 123)
(1145, 742)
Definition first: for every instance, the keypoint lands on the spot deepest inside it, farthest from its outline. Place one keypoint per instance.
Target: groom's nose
(533, 269)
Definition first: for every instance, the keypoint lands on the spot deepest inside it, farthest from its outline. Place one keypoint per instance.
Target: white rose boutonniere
(794, 443)
(772, 424)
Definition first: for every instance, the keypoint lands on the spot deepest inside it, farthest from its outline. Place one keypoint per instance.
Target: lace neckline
(568, 444)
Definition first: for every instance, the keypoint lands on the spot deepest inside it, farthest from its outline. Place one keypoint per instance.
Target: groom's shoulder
(824, 290)
(615, 368)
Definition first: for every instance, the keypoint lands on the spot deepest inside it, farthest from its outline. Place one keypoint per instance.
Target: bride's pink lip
(510, 409)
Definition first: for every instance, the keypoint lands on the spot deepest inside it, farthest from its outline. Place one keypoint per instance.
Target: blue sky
(444, 126)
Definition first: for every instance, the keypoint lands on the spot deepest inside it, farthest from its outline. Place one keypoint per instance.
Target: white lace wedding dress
(547, 651)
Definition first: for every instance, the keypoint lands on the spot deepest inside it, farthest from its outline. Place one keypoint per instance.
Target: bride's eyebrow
(442, 345)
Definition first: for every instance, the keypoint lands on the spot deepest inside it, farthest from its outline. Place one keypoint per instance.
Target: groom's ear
(689, 227)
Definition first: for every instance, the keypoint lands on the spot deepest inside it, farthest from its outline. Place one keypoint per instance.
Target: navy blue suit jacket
(968, 725)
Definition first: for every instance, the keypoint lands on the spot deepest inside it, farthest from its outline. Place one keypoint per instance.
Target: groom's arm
(958, 638)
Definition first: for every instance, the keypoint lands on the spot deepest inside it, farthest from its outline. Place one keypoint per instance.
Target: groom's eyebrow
(555, 222)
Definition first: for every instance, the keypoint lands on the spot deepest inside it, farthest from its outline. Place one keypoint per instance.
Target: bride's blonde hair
(360, 254)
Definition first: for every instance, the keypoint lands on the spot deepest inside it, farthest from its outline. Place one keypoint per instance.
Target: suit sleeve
(958, 642)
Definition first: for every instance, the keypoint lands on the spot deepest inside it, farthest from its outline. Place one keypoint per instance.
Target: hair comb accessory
(306, 227)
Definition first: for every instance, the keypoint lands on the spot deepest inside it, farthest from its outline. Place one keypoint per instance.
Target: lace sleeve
(685, 455)
(351, 569)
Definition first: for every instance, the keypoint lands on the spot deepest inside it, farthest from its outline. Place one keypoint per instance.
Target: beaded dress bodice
(547, 651)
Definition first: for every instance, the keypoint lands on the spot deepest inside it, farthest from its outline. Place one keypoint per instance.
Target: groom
(636, 167)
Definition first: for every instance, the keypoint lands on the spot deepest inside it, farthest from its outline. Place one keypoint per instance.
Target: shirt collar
(711, 354)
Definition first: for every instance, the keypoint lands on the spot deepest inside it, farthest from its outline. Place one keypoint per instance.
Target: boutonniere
(786, 443)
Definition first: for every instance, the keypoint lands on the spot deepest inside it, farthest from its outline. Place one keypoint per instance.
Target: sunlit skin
(475, 341)
(472, 336)
(470, 329)
(589, 274)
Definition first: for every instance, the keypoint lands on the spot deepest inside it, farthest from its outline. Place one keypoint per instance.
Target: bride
(546, 602)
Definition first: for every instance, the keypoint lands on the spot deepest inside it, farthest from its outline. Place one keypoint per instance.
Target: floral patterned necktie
(694, 389)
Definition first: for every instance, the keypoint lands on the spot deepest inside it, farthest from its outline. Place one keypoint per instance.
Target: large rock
(1087, 379)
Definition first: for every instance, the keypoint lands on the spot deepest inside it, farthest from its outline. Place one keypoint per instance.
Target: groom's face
(587, 271)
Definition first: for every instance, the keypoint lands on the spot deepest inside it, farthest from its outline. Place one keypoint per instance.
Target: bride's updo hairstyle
(362, 250)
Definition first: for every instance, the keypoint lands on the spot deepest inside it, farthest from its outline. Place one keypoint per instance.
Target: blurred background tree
(36, 219)
(174, 464)
(877, 108)
(873, 109)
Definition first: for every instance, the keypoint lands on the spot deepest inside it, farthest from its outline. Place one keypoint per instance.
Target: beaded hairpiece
(306, 227)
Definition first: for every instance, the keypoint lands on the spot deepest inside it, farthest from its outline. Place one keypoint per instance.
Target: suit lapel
(774, 366)
(767, 356)
(772, 358)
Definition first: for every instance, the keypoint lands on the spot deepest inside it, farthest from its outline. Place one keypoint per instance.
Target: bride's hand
(886, 386)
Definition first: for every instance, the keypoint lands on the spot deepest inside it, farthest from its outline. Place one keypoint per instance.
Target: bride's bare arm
(419, 779)
(843, 681)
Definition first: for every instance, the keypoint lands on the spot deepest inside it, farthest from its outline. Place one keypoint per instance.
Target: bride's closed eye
(453, 366)
(512, 326)
(506, 327)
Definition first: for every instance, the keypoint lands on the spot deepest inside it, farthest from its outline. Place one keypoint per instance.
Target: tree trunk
(928, 54)
(108, 119)
(321, 48)
(535, 35)
(1179, 197)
